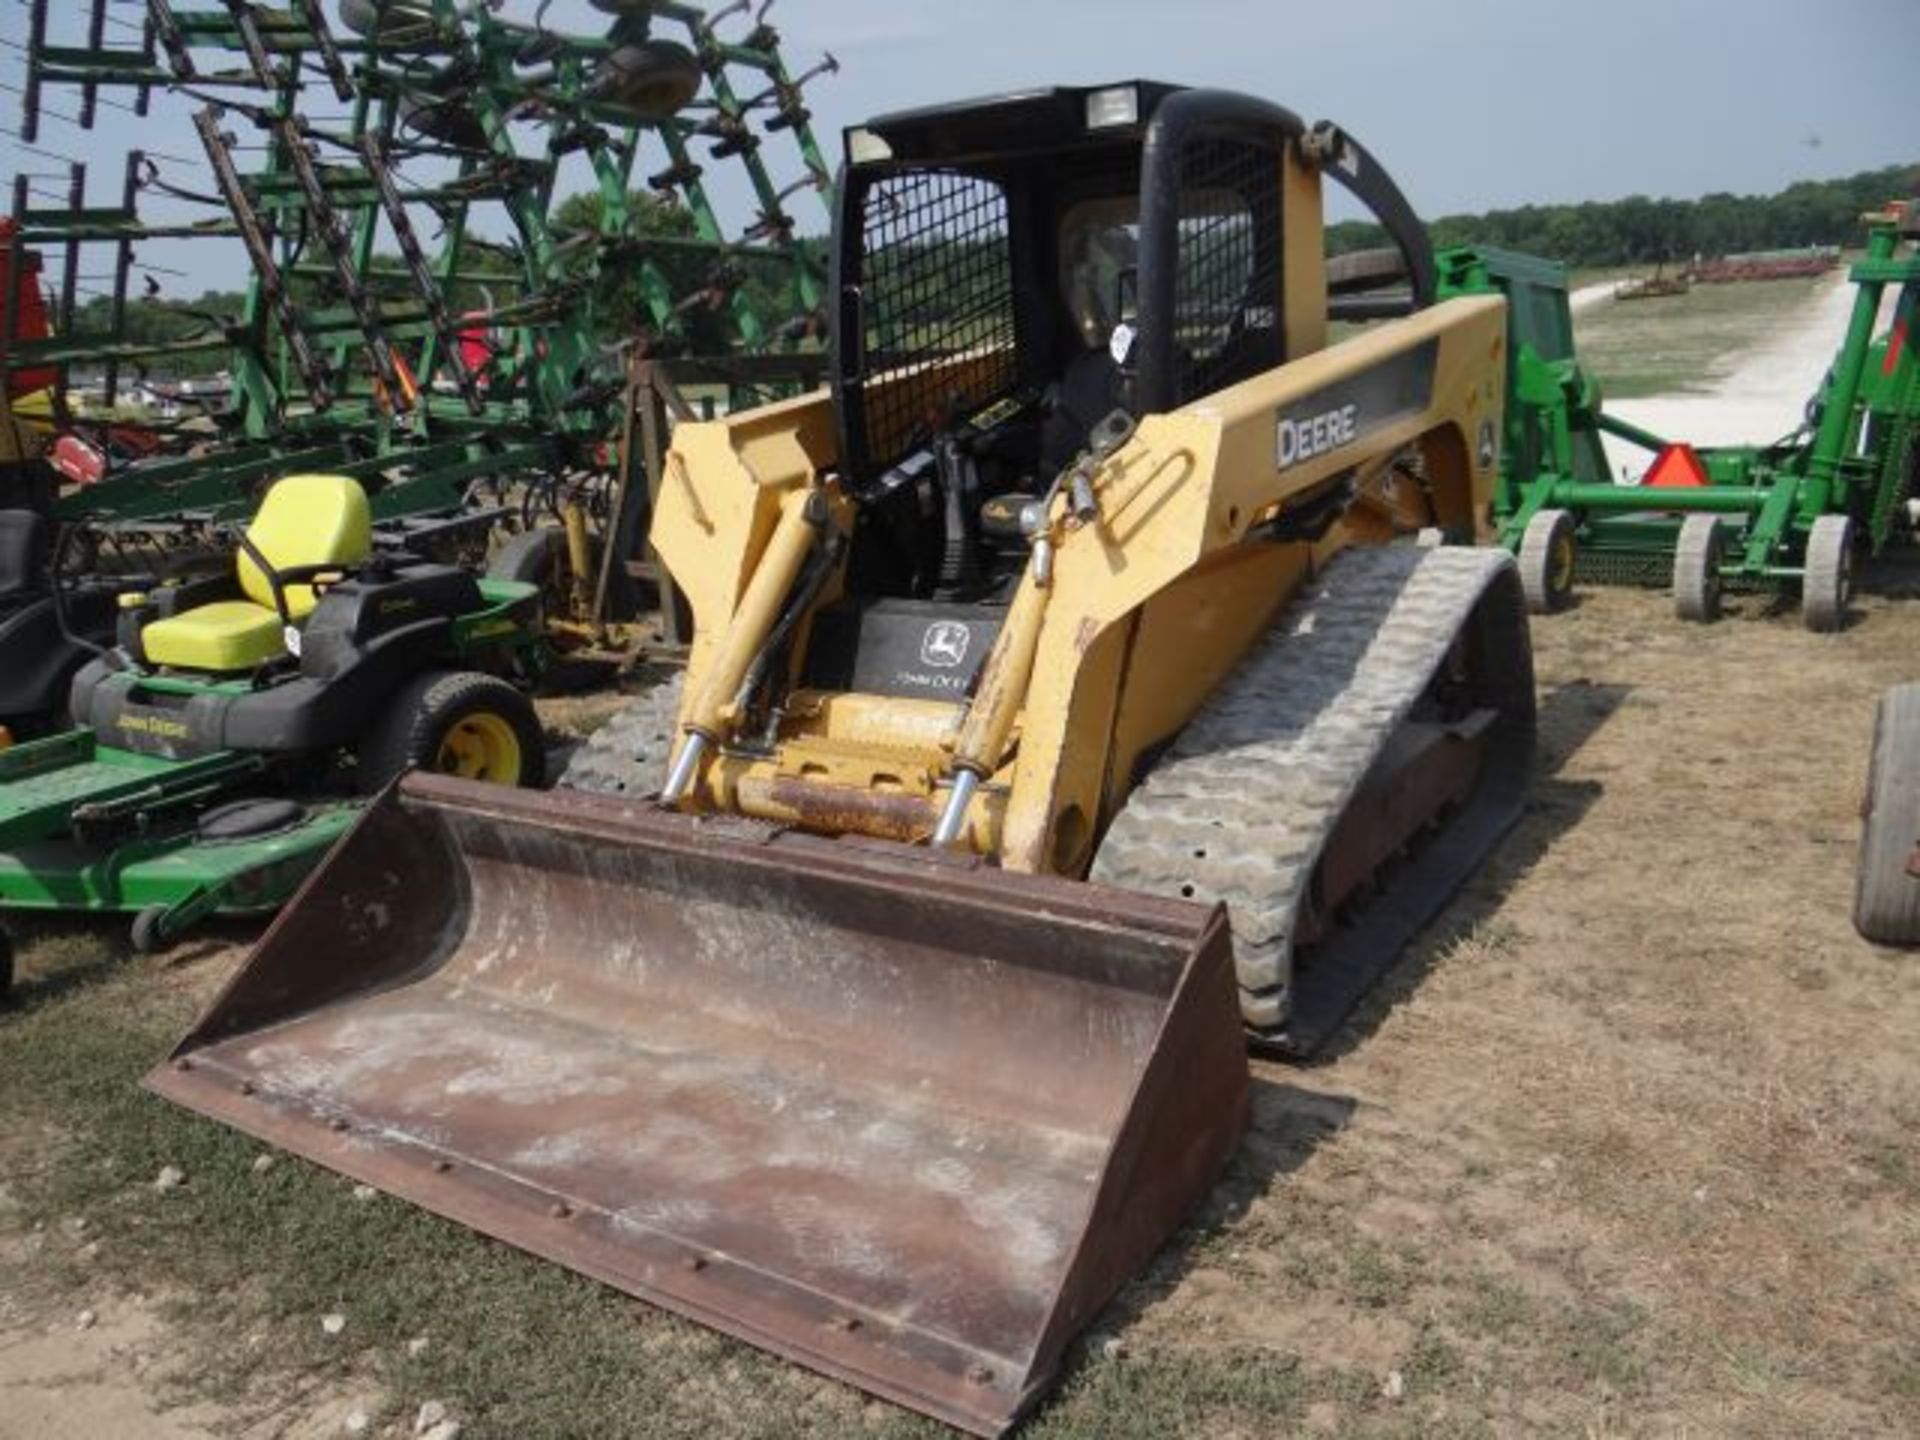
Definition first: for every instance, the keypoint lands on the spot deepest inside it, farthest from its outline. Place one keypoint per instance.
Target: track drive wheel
(1827, 584)
(1696, 568)
(1886, 897)
(1546, 561)
(456, 723)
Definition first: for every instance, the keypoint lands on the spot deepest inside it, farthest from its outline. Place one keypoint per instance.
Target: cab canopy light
(1113, 107)
(864, 146)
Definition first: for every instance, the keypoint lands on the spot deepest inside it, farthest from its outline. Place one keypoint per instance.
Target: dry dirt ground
(1633, 1143)
(1630, 1144)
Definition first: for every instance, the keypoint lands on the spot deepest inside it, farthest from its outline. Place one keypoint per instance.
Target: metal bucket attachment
(903, 1118)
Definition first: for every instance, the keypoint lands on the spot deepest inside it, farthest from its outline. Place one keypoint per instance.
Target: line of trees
(1642, 231)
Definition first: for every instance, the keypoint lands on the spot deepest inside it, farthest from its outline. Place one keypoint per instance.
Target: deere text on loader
(1069, 696)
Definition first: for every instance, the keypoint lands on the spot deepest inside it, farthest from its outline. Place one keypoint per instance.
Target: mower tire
(531, 557)
(147, 937)
(6, 965)
(456, 723)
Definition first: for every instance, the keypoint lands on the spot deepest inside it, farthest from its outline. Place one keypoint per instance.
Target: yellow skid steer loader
(1081, 682)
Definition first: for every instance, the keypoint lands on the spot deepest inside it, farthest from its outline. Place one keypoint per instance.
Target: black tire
(399, 24)
(446, 119)
(415, 730)
(654, 81)
(539, 557)
(1547, 560)
(1886, 898)
(147, 936)
(1696, 568)
(6, 966)
(531, 557)
(629, 754)
(1826, 583)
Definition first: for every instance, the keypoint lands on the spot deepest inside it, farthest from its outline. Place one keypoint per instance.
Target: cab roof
(1022, 120)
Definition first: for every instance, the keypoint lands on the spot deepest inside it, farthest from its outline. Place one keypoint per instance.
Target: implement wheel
(1886, 897)
(539, 557)
(1696, 568)
(654, 81)
(1547, 557)
(445, 118)
(1827, 585)
(147, 936)
(396, 24)
(475, 726)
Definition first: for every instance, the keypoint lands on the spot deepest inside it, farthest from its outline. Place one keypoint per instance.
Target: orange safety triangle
(1676, 468)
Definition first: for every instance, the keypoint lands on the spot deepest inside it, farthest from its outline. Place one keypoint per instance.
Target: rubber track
(629, 754)
(1241, 806)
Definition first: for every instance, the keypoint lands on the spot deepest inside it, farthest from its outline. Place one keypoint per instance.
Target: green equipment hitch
(1791, 515)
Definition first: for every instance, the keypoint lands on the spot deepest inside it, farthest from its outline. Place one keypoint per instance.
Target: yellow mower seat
(227, 635)
(305, 520)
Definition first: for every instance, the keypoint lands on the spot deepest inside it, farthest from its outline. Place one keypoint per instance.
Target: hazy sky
(1471, 104)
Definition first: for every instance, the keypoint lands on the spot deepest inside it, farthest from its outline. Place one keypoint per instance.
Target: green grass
(1683, 342)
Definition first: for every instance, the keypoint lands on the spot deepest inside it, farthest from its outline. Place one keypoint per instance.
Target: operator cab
(1012, 272)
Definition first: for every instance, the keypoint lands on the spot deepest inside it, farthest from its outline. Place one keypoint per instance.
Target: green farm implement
(1788, 516)
(428, 309)
(229, 737)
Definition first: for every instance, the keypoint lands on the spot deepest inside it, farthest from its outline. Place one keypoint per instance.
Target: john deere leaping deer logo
(944, 646)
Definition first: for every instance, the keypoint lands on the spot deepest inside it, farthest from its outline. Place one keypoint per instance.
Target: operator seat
(305, 521)
(1091, 388)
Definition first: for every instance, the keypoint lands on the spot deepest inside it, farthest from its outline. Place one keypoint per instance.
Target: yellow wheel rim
(1563, 563)
(481, 747)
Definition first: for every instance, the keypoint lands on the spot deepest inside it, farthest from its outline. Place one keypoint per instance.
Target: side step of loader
(902, 1118)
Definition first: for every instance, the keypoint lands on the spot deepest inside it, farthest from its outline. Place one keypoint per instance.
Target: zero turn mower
(232, 734)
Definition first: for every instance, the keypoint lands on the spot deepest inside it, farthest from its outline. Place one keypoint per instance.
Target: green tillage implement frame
(349, 361)
(1855, 459)
(85, 826)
